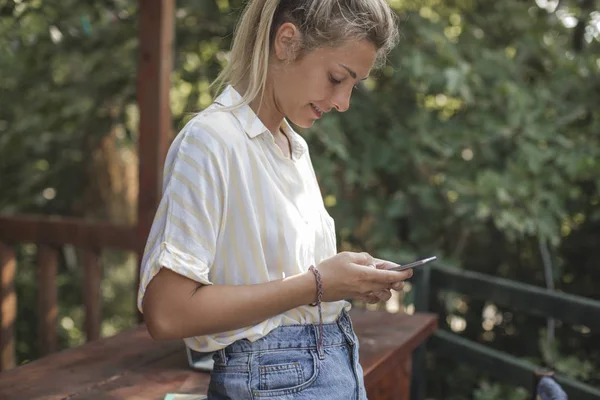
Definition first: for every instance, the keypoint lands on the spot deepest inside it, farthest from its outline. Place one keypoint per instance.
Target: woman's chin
(304, 123)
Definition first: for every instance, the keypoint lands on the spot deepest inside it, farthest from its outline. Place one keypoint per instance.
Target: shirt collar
(253, 126)
(249, 121)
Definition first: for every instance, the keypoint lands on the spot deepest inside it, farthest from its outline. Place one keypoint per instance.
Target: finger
(398, 286)
(384, 295)
(391, 277)
(370, 299)
(381, 278)
(365, 274)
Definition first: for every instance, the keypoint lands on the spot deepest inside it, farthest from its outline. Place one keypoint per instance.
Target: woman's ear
(286, 42)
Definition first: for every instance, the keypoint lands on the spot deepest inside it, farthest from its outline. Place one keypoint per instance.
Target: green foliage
(494, 391)
(477, 142)
(67, 74)
(475, 129)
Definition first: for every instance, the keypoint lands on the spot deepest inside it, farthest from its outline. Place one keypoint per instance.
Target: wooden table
(131, 365)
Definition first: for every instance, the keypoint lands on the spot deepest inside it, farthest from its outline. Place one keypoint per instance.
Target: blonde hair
(321, 23)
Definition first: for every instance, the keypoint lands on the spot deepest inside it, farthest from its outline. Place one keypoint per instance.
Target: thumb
(363, 259)
(384, 264)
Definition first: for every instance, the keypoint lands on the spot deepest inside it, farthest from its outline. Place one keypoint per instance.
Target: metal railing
(528, 299)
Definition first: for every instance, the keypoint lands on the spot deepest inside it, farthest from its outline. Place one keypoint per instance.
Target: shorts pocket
(284, 372)
(280, 376)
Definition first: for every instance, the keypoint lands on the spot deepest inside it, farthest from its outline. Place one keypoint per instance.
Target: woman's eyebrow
(352, 73)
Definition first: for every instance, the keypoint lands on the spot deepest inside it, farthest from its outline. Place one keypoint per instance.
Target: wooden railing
(156, 20)
(528, 299)
(50, 234)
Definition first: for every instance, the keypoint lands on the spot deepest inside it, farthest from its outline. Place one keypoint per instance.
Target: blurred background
(478, 142)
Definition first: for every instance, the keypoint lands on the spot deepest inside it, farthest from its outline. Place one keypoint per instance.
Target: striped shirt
(236, 211)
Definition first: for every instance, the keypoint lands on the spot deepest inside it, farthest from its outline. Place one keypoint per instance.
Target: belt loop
(223, 356)
(345, 325)
(319, 343)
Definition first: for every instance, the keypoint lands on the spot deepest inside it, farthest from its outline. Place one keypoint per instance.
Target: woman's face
(320, 80)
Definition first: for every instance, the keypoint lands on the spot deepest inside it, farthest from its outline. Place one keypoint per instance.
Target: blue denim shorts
(289, 363)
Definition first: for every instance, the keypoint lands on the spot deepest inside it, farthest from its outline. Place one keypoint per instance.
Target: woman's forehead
(355, 57)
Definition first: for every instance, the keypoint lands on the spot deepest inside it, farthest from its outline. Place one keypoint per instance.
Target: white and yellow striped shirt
(236, 211)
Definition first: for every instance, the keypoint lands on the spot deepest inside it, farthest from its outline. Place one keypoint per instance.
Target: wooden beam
(60, 230)
(92, 300)
(532, 300)
(8, 309)
(156, 31)
(47, 298)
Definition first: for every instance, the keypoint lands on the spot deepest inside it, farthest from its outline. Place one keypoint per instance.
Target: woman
(241, 258)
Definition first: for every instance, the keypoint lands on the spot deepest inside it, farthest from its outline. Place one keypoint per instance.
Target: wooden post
(91, 294)
(156, 31)
(421, 287)
(8, 309)
(47, 298)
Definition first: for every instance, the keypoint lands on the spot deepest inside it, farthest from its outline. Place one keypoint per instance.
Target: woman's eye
(333, 80)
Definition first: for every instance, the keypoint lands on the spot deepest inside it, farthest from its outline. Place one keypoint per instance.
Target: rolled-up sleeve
(187, 223)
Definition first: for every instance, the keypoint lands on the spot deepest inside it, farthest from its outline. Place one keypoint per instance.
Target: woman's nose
(341, 100)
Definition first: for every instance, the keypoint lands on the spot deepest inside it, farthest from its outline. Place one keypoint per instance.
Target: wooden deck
(130, 365)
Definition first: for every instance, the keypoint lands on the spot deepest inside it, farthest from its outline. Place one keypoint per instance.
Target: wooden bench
(131, 365)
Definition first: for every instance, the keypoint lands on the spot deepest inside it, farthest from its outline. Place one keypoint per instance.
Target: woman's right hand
(349, 275)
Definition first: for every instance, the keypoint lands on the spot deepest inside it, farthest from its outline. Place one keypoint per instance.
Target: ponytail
(249, 58)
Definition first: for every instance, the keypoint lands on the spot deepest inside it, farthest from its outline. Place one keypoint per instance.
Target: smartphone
(413, 264)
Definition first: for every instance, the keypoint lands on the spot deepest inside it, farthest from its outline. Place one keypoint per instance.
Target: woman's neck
(266, 110)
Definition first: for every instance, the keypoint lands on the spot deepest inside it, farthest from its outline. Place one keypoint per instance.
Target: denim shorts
(290, 363)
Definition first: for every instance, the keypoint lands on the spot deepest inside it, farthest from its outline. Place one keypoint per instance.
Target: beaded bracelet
(317, 275)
